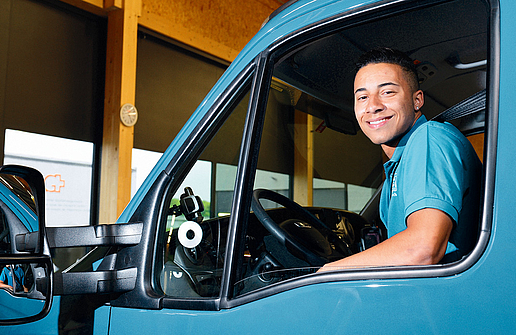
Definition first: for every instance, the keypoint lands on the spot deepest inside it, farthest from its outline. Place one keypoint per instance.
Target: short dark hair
(390, 56)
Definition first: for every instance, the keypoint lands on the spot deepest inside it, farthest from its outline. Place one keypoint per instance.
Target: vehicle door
(281, 120)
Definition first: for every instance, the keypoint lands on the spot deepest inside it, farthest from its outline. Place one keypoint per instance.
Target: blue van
(220, 237)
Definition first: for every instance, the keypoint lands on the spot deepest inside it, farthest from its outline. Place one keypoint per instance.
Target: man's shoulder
(442, 133)
(440, 141)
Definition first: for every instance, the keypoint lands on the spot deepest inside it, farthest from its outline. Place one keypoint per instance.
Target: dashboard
(265, 260)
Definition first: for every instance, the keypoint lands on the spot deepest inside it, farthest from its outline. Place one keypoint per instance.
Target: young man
(430, 198)
(13, 276)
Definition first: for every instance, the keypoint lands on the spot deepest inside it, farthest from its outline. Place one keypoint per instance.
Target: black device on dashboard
(370, 236)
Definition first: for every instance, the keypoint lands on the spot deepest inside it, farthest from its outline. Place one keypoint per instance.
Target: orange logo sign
(54, 183)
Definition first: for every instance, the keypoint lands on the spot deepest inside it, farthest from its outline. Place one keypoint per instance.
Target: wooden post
(115, 178)
(303, 159)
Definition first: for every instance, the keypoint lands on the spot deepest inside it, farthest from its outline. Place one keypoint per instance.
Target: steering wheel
(306, 238)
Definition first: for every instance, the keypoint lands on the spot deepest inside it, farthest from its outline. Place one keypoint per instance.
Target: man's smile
(378, 122)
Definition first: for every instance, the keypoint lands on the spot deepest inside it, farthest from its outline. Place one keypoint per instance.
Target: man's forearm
(422, 243)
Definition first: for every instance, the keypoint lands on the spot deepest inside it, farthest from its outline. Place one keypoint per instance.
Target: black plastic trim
(96, 282)
(120, 234)
(141, 255)
(245, 175)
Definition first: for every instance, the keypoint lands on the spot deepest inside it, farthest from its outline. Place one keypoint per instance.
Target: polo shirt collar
(401, 145)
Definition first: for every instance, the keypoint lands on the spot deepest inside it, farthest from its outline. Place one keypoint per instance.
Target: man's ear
(418, 99)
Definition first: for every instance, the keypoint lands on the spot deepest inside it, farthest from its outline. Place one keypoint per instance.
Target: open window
(310, 136)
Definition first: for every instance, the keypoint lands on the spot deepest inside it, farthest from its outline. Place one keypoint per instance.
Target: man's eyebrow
(387, 84)
(379, 86)
(359, 90)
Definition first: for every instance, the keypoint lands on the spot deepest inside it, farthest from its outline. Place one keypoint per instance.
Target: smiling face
(386, 105)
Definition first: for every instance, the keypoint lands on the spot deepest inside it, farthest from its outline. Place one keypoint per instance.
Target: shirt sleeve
(3, 277)
(435, 171)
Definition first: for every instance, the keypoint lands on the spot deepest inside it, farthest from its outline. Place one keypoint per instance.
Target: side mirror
(26, 284)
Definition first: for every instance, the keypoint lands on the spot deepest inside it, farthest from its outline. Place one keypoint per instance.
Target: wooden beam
(220, 28)
(112, 4)
(93, 6)
(115, 178)
(200, 24)
(188, 36)
(303, 159)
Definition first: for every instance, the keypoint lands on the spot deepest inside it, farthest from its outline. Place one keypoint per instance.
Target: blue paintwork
(19, 208)
(467, 303)
(444, 305)
(14, 307)
(101, 322)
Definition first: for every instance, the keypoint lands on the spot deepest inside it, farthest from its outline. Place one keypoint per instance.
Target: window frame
(302, 37)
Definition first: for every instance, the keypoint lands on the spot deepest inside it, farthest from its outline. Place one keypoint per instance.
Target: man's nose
(375, 104)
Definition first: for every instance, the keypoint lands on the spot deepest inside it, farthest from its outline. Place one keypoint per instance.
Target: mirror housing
(25, 245)
(25, 257)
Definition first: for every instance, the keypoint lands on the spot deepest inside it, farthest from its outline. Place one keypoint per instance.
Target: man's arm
(3, 285)
(423, 242)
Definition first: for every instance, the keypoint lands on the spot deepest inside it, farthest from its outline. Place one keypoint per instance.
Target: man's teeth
(377, 122)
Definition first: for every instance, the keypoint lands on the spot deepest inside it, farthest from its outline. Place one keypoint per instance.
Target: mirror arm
(98, 282)
(120, 234)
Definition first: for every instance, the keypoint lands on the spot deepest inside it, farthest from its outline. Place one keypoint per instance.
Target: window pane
(194, 244)
(279, 182)
(224, 184)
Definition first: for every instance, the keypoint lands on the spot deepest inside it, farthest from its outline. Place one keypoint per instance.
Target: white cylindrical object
(189, 234)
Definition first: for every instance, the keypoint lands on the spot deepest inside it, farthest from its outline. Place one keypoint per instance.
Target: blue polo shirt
(434, 166)
(6, 276)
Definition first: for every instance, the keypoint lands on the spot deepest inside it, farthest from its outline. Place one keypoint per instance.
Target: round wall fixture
(128, 115)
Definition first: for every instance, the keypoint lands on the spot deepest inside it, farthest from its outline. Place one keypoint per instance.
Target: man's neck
(389, 149)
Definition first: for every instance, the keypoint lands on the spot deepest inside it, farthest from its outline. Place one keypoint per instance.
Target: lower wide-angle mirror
(24, 288)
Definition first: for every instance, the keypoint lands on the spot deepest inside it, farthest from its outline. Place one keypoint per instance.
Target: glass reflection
(20, 296)
(13, 278)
